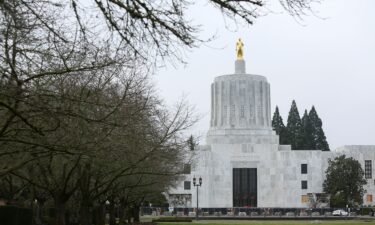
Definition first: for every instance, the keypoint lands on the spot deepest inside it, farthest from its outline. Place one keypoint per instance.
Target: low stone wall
(246, 212)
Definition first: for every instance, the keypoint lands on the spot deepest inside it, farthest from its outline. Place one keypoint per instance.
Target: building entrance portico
(245, 187)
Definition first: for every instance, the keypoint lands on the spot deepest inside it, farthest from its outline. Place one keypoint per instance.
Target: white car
(339, 212)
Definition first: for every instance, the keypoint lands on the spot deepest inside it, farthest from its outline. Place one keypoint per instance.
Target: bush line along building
(243, 164)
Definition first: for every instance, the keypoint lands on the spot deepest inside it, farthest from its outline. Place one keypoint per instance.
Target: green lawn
(222, 222)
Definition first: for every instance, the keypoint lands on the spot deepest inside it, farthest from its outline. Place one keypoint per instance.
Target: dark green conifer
(320, 140)
(192, 143)
(279, 127)
(294, 128)
(308, 139)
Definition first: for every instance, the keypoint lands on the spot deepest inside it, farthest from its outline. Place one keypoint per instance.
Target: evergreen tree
(308, 139)
(279, 127)
(294, 128)
(319, 138)
(192, 143)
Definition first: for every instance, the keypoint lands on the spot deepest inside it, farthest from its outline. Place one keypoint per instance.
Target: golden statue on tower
(239, 49)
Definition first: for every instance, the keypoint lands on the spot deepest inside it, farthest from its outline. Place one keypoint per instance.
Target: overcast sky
(326, 60)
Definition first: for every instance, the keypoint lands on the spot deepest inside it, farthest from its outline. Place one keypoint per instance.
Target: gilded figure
(239, 49)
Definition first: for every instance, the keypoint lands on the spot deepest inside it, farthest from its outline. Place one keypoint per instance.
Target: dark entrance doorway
(245, 187)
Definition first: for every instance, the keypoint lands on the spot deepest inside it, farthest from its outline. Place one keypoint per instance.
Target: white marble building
(243, 164)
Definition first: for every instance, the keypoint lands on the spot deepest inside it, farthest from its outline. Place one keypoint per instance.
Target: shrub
(12, 215)
(173, 219)
(8, 215)
(366, 211)
(25, 216)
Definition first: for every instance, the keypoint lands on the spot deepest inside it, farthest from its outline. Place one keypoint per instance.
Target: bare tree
(39, 49)
(160, 24)
(105, 136)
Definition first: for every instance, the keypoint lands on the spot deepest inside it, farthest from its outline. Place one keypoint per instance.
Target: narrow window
(242, 111)
(303, 168)
(368, 169)
(187, 185)
(187, 169)
(304, 184)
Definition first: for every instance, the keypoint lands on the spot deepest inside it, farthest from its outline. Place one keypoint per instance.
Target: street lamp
(197, 185)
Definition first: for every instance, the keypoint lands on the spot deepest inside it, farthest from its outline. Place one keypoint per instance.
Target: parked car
(339, 212)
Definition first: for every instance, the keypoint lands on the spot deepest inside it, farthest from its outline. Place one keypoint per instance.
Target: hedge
(12, 215)
(173, 219)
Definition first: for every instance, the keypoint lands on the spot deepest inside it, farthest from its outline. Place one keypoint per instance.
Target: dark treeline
(304, 133)
(82, 131)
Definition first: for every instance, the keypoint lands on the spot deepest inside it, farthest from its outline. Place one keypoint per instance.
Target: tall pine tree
(308, 139)
(279, 127)
(294, 128)
(320, 140)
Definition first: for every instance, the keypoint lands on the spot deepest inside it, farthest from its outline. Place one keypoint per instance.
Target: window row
(187, 185)
(368, 169)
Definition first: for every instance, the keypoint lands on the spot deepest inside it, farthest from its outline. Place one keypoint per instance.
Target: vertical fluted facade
(240, 101)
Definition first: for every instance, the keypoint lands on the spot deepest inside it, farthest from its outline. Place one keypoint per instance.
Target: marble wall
(278, 173)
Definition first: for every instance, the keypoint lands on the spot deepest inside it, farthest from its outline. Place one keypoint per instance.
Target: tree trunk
(122, 215)
(39, 213)
(100, 215)
(112, 213)
(60, 212)
(85, 216)
(36, 214)
(129, 213)
(136, 209)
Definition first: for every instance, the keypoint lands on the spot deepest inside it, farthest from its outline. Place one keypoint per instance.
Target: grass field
(222, 222)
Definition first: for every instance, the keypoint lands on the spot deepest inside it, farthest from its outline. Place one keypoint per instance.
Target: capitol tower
(239, 140)
(241, 106)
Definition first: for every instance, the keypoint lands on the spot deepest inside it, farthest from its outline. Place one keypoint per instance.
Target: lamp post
(197, 185)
